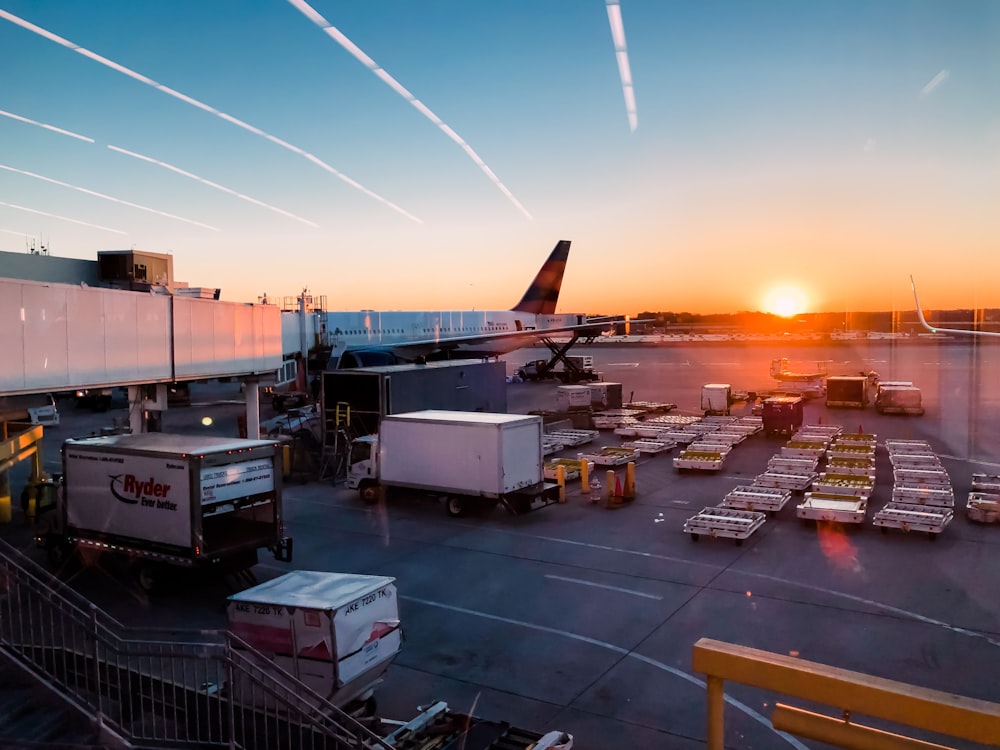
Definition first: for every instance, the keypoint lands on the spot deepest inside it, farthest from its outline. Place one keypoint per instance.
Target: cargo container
(898, 399)
(781, 415)
(847, 391)
(716, 399)
(156, 500)
(460, 457)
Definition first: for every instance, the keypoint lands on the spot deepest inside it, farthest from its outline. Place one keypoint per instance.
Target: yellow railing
(846, 692)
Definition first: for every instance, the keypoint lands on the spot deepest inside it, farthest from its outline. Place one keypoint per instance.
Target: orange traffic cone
(860, 430)
(618, 486)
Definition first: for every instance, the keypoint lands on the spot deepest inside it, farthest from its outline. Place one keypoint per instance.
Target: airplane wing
(475, 345)
(936, 329)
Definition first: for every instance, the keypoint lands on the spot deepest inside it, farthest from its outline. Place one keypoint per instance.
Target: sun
(785, 301)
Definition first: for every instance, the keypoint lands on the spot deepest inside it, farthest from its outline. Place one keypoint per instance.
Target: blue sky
(829, 149)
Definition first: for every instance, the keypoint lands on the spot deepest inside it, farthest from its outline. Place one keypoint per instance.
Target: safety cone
(860, 430)
(618, 486)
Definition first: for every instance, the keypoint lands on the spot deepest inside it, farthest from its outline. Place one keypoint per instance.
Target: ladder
(337, 439)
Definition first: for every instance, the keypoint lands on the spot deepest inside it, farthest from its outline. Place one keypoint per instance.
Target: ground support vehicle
(850, 391)
(754, 497)
(611, 456)
(781, 415)
(924, 494)
(572, 468)
(155, 500)
(36, 408)
(716, 399)
(782, 465)
(336, 632)
(844, 484)
(795, 482)
(986, 482)
(651, 447)
(803, 449)
(827, 506)
(462, 458)
(921, 477)
(862, 467)
(567, 369)
(729, 523)
(695, 460)
(932, 519)
(303, 423)
(983, 507)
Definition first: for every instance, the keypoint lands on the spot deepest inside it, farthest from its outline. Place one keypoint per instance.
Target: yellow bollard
(629, 491)
(286, 460)
(584, 476)
(561, 480)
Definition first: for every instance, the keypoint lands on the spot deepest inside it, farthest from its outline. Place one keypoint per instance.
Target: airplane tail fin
(542, 295)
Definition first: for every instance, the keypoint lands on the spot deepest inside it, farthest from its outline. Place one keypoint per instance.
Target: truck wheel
(455, 506)
(369, 493)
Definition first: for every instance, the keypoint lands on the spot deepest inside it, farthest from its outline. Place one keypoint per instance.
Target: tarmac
(582, 618)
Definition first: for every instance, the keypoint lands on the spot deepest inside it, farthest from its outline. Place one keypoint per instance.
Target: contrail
(108, 198)
(56, 216)
(211, 184)
(53, 128)
(618, 36)
(338, 36)
(201, 105)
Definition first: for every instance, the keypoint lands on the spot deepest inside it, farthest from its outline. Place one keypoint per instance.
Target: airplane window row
(378, 331)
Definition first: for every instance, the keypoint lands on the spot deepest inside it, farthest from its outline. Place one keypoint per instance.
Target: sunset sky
(389, 154)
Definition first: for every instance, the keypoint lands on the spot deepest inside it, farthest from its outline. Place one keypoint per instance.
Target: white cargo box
(923, 494)
(933, 520)
(570, 397)
(797, 482)
(983, 507)
(336, 632)
(767, 499)
(724, 522)
(844, 484)
(826, 506)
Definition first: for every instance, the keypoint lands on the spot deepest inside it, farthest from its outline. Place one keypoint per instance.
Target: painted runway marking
(616, 649)
(603, 586)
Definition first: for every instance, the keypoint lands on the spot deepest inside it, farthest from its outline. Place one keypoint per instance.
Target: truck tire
(368, 492)
(455, 506)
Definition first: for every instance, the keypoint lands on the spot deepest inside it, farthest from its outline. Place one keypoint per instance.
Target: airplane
(368, 338)
(937, 329)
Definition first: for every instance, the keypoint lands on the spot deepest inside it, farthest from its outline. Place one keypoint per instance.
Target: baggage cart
(767, 499)
(652, 447)
(915, 461)
(862, 438)
(572, 468)
(796, 482)
(861, 467)
(782, 465)
(983, 507)
(932, 477)
(610, 456)
(908, 446)
(844, 484)
(724, 522)
(699, 460)
(803, 449)
(923, 494)
(930, 519)
(830, 430)
(573, 438)
(986, 482)
(851, 450)
(826, 506)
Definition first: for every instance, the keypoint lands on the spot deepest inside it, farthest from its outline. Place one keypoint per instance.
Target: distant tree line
(823, 323)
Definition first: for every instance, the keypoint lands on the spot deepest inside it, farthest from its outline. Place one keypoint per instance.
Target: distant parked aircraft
(936, 329)
(369, 337)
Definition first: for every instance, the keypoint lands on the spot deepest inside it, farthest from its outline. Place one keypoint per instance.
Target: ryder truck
(158, 500)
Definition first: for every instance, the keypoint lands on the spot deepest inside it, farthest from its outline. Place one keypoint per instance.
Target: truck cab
(362, 467)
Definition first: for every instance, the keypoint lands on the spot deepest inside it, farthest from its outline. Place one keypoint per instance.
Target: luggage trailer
(907, 517)
(770, 500)
(983, 507)
(795, 482)
(728, 523)
(828, 506)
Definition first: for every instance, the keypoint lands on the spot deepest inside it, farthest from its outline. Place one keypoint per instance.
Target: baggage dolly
(724, 522)
(932, 519)
(828, 506)
(983, 507)
(767, 499)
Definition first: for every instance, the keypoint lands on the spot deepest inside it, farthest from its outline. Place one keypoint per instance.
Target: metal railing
(160, 688)
(850, 693)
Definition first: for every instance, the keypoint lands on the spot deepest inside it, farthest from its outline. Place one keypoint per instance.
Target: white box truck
(336, 632)
(157, 500)
(460, 457)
